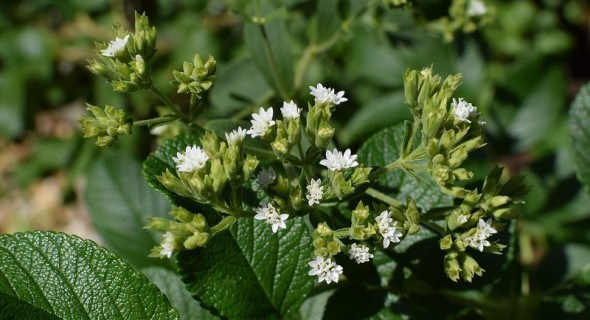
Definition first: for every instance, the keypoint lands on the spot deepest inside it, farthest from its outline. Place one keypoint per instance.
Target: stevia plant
(267, 217)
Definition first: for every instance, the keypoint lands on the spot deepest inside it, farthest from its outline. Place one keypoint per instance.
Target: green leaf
(120, 201)
(73, 278)
(377, 114)
(384, 148)
(12, 103)
(327, 20)
(314, 306)
(171, 285)
(579, 125)
(540, 110)
(270, 49)
(13, 308)
(251, 272)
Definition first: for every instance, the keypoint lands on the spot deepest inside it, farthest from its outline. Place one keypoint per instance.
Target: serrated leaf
(73, 278)
(384, 148)
(120, 202)
(171, 285)
(579, 128)
(251, 272)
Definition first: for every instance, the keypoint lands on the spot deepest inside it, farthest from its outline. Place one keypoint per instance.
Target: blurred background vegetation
(521, 68)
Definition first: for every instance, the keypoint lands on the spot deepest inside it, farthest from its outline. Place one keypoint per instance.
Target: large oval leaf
(120, 201)
(73, 278)
(384, 148)
(579, 124)
(251, 272)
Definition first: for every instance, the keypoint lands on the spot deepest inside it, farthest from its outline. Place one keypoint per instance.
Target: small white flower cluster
(360, 253)
(266, 177)
(290, 110)
(236, 136)
(315, 192)
(483, 232)
(325, 269)
(327, 95)
(270, 215)
(192, 159)
(336, 161)
(261, 123)
(115, 47)
(463, 110)
(387, 228)
(168, 245)
(476, 8)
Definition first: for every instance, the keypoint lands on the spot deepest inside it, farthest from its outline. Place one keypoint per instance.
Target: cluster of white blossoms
(463, 110)
(266, 177)
(336, 160)
(476, 8)
(168, 245)
(236, 136)
(115, 47)
(325, 269)
(192, 159)
(315, 192)
(270, 215)
(261, 123)
(327, 95)
(290, 110)
(483, 232)
(387, 228)
(360, 253)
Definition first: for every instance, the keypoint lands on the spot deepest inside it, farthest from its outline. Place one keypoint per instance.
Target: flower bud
(452, 267)
(249, 167)
(360, 214)
(446, 243)
(470, 268)
(323, 230)
(199, 239)
(172, 183)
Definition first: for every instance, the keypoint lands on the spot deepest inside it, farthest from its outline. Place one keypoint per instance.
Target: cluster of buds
(124, 62)
(196, 77)
(106, 124)
(465, 16)
(186, 232)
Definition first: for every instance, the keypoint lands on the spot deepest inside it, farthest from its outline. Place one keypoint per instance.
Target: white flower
(168, 245)
(290, 110)
(483, 231)
(261, 123)
(324, 94)
(270, 215)
(325, 269)
(235, 136)
(192, 159)
(336, 161)
(315, 192)
(463, 110)
(360, 253)
(476, 8)
(387, 228)
(265, 177)
(115, 46)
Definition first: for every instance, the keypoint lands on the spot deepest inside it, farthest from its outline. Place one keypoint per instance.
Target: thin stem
(383, 197)
(174, 108)
(154, 121)
(341, 233)
(223, 224)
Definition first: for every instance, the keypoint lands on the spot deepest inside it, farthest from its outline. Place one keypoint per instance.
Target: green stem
(174, 108)
(274, 70)
(155, 121)
(342, 233)
(223, 224)
(383, 197)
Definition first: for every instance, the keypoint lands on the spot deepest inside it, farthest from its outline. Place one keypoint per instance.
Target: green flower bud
(334, 247)
(172, 183)
(293, 131)
(360, 214)
(196, 77)
(360, 175)
(411, 90)
(340, 186)
(107, 124)
(181, 214)
(506, 213)
(320, 243)
(456, 219)
(413, 229)
(249, 167)
(412, 213)
(446, 243)
(199, 239)
(325, 133)
(144, 38)
(498, 201)
(323, 230)
(200, 223)
(452, 268)
(470, 268)
(158, 224)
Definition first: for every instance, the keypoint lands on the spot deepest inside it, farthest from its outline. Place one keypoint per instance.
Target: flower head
(483, 231)
(326, 95)
(168, 246)
(235, 136)
(476, 8)
(325, 269)
(315, 192)
(360, 253)
(463, 110)
(115, 47)
(191, 159)
(270, 215)
(261, 123)
(336, 161)
(266, 177)
(387, 228)
(290, 110)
